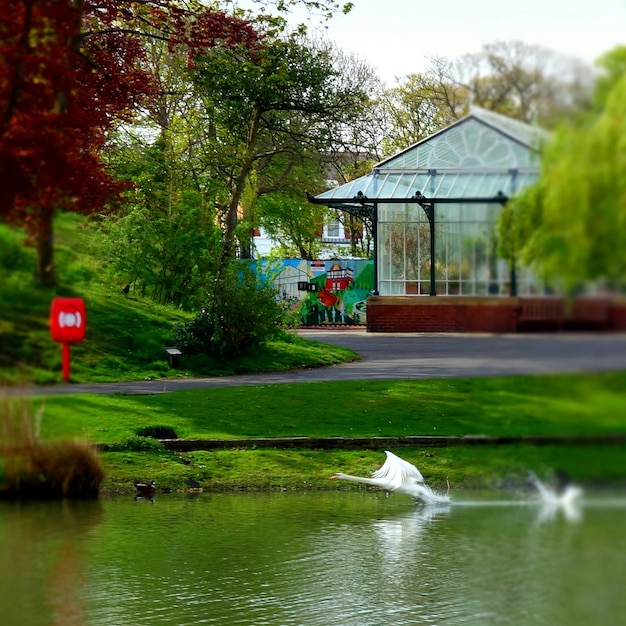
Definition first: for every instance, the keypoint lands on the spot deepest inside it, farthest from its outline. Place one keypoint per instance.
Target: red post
(65, 355)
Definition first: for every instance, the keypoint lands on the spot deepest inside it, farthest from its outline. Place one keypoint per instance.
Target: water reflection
(43, 561)
(549, 511)
(315, 559)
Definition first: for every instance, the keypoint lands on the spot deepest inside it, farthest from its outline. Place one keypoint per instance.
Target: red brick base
(462, 314)
(388, 314)
(617, 315)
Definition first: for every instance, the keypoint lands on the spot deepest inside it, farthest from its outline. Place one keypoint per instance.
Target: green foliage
(571, 225)
(293, 222)
(164, 243)
(272, 112)
(238, 313)
(157, 432)
(14, 258)
(136, 443)
(517, 224)
(418, 106)
(612, 66)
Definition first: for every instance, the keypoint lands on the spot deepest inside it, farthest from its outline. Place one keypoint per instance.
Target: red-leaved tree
(69, 71)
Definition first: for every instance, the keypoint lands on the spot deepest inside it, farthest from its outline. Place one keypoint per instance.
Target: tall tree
(269, 107)
(571, 225)
(69, 70)
(525, 82)
(528, 82)
(420, 105)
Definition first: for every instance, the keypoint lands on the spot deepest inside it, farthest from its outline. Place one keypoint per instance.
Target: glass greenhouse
(434, 208)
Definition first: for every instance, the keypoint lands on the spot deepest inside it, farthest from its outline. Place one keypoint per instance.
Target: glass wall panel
(391, 213)
(401, 233)
(466, 256)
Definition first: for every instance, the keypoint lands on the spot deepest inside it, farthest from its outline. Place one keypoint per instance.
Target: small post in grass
(173, 354)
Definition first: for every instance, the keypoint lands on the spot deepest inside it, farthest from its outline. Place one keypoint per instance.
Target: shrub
(239, 312)
(35, 469)
(157, 432)
(63, 470)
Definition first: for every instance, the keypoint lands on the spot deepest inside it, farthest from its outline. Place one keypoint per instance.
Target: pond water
(336, 558)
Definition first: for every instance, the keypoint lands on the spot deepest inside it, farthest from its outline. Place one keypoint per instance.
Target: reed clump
(32, 468)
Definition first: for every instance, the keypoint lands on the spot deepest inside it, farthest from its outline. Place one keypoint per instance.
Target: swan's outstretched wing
(397, 471)
(544, 491)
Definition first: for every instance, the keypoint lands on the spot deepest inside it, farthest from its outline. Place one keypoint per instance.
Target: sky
(396, 36)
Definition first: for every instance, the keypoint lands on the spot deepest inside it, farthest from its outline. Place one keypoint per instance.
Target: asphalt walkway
(387, 356)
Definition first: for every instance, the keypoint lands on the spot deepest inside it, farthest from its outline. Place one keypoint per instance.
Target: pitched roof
(478, 156)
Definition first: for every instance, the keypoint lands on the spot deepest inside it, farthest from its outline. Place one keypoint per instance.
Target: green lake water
(331, 558)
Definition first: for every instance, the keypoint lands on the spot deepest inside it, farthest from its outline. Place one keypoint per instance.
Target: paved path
(410, 356)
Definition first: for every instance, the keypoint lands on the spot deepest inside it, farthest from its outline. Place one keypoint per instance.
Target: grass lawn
(529, 405)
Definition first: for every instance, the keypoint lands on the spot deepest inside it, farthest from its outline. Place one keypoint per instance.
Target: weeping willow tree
(571, 225)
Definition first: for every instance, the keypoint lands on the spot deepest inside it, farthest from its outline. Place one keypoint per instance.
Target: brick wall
(440, 314)
(617, 315)
(463, 314)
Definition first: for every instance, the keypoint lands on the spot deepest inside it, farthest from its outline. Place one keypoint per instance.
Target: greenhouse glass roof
(482, 157)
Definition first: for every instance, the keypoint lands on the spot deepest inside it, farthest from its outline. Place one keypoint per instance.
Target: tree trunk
(305, 254)
(244, 172)
(246, 248)
(46, 275)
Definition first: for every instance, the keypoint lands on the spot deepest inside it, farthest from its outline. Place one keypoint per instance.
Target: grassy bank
(532, 405)
(126, 334)
(295, 470)
(125, 339)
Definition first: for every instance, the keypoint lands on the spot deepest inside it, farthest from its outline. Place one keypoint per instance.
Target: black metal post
(513, 279)
(430, 213)
(429, 209)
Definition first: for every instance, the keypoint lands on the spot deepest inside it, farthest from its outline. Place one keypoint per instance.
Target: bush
(157, 432)
(239, 312)
(51, 470)
(35, 469)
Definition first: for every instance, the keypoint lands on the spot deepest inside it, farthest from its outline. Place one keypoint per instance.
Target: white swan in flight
(551, 496)
(554, 500)
(399, 476)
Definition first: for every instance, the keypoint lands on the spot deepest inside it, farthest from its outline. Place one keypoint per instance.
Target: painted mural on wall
(324, 292)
